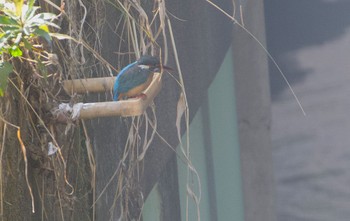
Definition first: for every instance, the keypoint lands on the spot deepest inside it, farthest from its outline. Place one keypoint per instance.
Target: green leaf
(32, 26)
(26, 30)
(18, 38)
(3, 42)
(7, 21)
(41, 18)
(19, 5)
(29, 14)
(5, 69)
(44, 34)
(15, 51)
(46, 16)
(52, 25)
(44, 28)
(60, 36)
(4, 37)
(27, 44)
(31, 3)
(11, 13)
(13, 30)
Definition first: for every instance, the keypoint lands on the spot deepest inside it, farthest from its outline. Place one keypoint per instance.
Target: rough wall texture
(253, 110)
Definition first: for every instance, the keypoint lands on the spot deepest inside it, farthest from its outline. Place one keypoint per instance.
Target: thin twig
(1, 172)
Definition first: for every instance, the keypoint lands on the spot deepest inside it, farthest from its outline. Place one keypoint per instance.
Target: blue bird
(136, 77)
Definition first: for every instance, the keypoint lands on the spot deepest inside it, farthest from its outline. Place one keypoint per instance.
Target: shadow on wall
(292, 25)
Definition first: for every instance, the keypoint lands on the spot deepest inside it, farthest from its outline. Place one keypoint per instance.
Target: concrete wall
(253, 110)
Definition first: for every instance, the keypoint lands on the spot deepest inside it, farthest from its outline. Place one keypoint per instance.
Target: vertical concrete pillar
(253, 110)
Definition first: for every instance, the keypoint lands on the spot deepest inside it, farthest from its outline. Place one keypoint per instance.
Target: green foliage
(20, 26)
(5, 69)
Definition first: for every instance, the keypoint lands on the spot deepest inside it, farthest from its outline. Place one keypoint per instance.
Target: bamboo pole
(89, 85)
(130, 107)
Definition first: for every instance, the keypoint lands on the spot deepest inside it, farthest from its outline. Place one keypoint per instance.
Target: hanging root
(23, 148)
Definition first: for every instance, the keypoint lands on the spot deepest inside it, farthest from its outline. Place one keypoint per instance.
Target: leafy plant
(5, 69)
(20, 26)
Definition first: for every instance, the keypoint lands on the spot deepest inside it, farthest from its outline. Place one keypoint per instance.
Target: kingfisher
(136, 77)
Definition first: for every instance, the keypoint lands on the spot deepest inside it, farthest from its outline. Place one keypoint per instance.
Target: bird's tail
(115, 91)
(115, 96)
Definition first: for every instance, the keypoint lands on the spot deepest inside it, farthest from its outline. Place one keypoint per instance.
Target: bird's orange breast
(138, 89)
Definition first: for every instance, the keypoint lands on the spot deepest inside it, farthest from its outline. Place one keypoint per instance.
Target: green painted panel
(215, 154)
(224, 131)
(151, 210)
(198, 160)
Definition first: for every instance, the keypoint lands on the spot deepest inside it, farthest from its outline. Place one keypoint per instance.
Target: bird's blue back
(129, 77)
